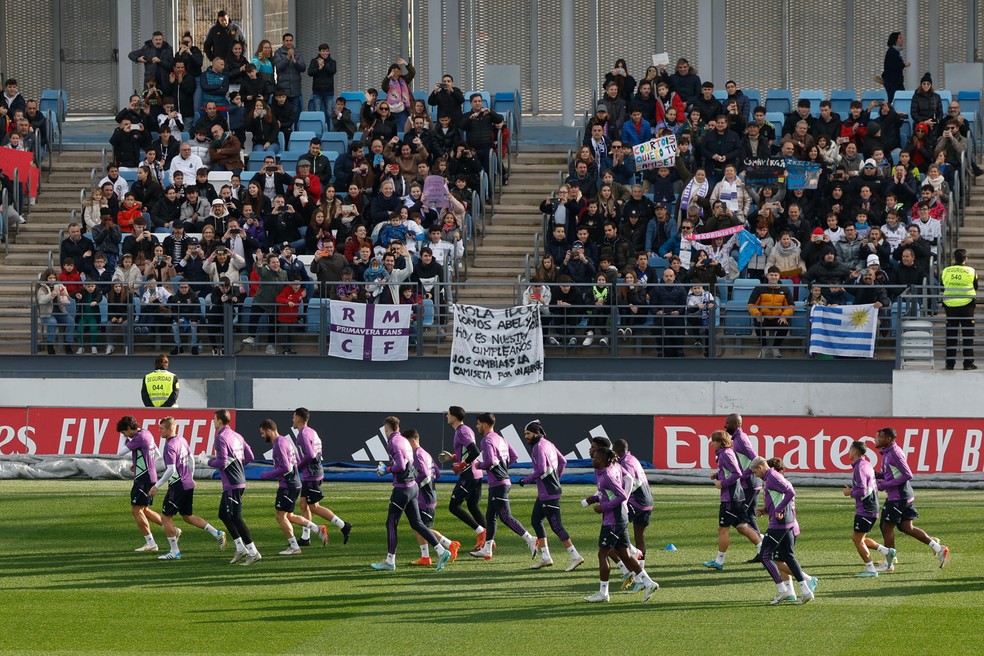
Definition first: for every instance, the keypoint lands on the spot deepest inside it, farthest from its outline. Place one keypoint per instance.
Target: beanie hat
(926, 78)
(536, 428)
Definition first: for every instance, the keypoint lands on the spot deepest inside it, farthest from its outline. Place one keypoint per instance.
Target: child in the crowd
(347, 289)
(290, 300)
(699, 306)
(70, 277)
(87, 304)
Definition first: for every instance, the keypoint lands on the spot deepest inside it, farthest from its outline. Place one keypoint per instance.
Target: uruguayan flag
(844, 330)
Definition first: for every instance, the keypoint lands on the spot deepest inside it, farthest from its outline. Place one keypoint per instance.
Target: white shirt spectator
(187, 166)
(120, 186)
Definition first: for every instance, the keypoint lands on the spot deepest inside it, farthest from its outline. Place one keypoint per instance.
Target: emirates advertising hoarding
(670, 442)
(819, 445)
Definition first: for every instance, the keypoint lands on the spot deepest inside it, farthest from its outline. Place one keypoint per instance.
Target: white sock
(758, 547)
(935, 546)
(446, 543)
(292, 541)
(545, 552)
(621, 566)
(211, 530)
(479, 530)
(306, 533)
(869, 567)
(425, 550)
(883, 550)
(529, 538)
(391, 559)
(720, 558)
(604, 588)
(149, 539)
(174, 544)
(642, 564)
(439, 548)
(572, 550)
(311, 526)
(643, 577)
(239, 544)
(781, 588)
(804, 586)
(251, 549)
(337, 522)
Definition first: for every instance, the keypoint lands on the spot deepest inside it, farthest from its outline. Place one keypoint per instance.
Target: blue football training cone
(670, 547)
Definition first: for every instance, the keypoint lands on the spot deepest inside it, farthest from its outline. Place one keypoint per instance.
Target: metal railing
(924, 332)
(5, 222)
(665, 325)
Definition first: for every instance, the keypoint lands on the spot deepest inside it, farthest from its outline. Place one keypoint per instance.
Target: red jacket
(68, 278)
(126, 217)
(285, 313)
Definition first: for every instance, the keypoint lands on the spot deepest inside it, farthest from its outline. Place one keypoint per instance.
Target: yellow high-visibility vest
(958, 284)
(160, 386)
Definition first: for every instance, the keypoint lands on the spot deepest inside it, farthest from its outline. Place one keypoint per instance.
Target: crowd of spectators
(354, 225)
(874, 217)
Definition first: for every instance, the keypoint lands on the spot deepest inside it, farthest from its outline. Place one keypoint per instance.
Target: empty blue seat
(300, 141)
(311, 122)
(721, 94)
(754, 100)
(779, 100)
(874, 94)
(840, 101)
(903, 101)
(970, 101)
(777, 119)
(946, 96)
(336, 141)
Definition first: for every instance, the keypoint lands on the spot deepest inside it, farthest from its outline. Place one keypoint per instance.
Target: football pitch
(70, 582)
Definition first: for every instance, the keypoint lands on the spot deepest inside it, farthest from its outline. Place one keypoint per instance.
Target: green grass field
(70, 583)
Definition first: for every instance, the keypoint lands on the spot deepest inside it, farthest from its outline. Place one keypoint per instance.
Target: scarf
(398, 94)
(688, 194)
(600, 294)
(729, 194)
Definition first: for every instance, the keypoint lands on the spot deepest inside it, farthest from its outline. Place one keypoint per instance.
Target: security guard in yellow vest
(959, 301)
(160, 387)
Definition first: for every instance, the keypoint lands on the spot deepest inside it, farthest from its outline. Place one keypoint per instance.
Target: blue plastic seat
(946, 96)
(815, 96)
(970, 101)
(777, 119)
(779, 100)
(300, 141)
(311, 122)
(874, 94)
(334, 141)
(721, 94)
(840, 101)
(736, 319)
(486, 100)
(754, 100)
(903, 101)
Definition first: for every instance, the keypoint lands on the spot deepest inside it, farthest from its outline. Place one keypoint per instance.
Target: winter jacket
(219, 40)
(323, 78)
(926, 106)
(448, 103)
(215, 87)
(789, 260)
(226, 152)
(159, 71)
(289, 72)
(770, 301)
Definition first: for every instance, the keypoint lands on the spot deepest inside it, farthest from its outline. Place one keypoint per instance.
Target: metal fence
(596, 321)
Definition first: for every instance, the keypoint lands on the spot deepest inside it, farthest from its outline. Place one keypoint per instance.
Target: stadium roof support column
(435, 37)
(255, 27)
(567, 60)
(452, 56)
(914, 72)
(124, 69)
(705, 39)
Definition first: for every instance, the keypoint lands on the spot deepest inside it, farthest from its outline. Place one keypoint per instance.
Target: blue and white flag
(847, 330)
(748, 247)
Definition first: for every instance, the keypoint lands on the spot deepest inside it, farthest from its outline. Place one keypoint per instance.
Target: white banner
(497, 348)
(361, 331)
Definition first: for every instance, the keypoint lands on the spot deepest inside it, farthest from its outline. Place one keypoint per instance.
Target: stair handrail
(93, 178)
(5, 223)
(526, 265)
